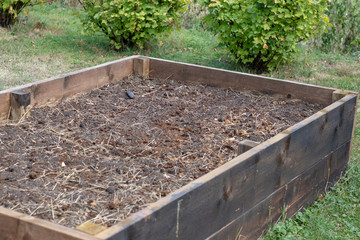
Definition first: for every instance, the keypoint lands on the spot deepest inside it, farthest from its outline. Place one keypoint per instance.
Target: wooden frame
(239, 198)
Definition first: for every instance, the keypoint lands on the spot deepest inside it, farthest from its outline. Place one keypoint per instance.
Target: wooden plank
(354, 124)
(295, 195)
(81, 81)
(19, 102)
(242, 183)
(337, 163)
(255, 219)
(56, 88)
(8, 224)
(305, 143)
(327, 174)
(142, 66)
(339, 94)
(332, 128)
(231, 190)
(4, 105)
(91, 228)
(246, 145)
(16, 226)
(229, 79)
(47, 91)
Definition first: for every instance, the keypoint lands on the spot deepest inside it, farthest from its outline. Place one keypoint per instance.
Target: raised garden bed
(106, 158)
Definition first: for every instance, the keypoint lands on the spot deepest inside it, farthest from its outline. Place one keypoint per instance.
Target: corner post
(142, 66)
(19, 104)
(246, 145)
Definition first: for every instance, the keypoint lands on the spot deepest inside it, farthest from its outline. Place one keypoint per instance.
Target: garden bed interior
(195, 153)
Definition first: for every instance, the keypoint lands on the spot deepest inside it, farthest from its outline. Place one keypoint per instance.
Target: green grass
(337, 215)
(331, 69)
(47, 42)
(50, 41)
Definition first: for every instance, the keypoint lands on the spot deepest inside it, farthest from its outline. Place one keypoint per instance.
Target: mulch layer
(101, 156)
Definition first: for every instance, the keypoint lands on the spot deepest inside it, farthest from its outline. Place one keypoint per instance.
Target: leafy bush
(344, 34)
(131, 23)
(263, 33)
(10, 9)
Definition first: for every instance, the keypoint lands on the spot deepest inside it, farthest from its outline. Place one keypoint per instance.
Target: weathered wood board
(17, 226)
(229, 79)
(239, 186)
(53, 89)
(241, 197)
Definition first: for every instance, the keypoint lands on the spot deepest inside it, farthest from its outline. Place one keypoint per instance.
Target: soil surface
(102, 156)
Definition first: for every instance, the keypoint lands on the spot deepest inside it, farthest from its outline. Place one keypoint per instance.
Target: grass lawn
(50, 41)
(337, 215)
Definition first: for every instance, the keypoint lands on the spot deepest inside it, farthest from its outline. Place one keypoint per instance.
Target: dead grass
(314, 67)
(48, 42)
(102, 156)
(18, 69)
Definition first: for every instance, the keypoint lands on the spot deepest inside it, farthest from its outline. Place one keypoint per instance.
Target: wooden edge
(68, 80)
(338, 94)
(343, 96)
(160, 68)
(354, 124)
(332, 106)
(25, 86)
(292, 197)
(19, 102)
(246, 145)
(192, 186)
(142, 66)
(4, 105)
(14, 226)
(59, 87)
(91, 228)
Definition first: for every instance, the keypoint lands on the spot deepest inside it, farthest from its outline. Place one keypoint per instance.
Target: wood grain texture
(79, 82)
(57, 88)
(241, 184)
(228, 79)
(17, 226)
(142, 66)
(19, 102)
(240, 197)
(246, 145)
(4, 105)
(295, 195)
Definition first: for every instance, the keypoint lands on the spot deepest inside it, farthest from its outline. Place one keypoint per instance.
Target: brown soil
(102, 156)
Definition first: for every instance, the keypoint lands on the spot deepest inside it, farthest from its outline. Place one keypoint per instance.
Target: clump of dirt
(102, 156)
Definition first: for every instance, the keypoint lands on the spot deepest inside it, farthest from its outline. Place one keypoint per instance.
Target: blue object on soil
(130, 94)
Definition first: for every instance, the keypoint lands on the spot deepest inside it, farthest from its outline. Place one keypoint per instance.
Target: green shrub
(10, 9)
(132, 23)
(263, 33)
(344, 34)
